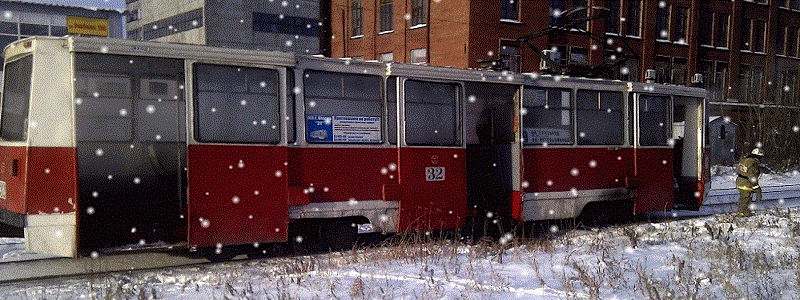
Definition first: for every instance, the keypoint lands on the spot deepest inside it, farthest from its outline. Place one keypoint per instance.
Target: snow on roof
(107, 5)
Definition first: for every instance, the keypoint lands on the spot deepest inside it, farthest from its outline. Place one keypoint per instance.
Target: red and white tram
(111, 142)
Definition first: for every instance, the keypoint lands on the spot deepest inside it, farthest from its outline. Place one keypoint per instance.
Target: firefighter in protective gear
(748, 170)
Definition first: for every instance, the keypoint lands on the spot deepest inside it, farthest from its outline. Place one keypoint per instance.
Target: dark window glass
(291, 92)
(9, 28)
(391, 109)
(356, 18)
(58, 30)
(509, 10)
(791, 41)
(431, 113)
(599, 118)
(780, 42)
(653, 120)
(706, 19)
(547, 116)
(680, 21)
(418, 12)
(759, 30)
(33, 29)
(721, 30)
(6, 39)
(342, 108)
(16, 99)
(662, 21)
(387, 11)
(746, 32)
(634, 17)
(236, 104)
(128, 98)
(612, 20)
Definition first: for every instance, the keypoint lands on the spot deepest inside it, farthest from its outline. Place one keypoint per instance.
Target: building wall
(290, 25)
(462, 32)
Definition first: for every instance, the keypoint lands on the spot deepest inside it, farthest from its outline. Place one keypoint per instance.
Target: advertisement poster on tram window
(547, 135)
(343, 129)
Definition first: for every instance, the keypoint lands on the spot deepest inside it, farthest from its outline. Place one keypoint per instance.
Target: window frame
(381, 101)
(386, 16)
(419, 13)
(509, 9)
(356, 18)
(458, 113)
(280, 96)
(578, 118)
(571, 109)
(638, 22)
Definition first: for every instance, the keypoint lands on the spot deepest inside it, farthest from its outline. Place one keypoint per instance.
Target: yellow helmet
(757, 151)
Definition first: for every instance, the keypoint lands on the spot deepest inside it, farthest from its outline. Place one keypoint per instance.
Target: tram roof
(445, 73)
(342, 65)
(159, 49)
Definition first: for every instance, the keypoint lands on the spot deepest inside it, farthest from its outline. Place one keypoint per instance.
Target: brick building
(747, 50)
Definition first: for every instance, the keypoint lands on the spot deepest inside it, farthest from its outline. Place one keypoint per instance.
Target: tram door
(130, 131)
(236, 158)
(653, 153)
(688, 164)
(491, 150)
(431, 156)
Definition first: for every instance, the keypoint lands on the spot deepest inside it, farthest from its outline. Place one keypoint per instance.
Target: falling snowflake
(593, 164)
(137, 180)
(235, 199)
(490, 215)
(151, 109)
(90, 210)
(525, 184)
(99, 152)
(574, 172)
(278, 173)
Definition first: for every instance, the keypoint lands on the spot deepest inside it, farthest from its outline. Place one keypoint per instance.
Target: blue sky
(104, 4)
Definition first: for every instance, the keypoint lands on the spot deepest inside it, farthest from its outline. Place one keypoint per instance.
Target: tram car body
(107, 143)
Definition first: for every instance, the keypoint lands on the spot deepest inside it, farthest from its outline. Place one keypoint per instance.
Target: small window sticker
(434, 173)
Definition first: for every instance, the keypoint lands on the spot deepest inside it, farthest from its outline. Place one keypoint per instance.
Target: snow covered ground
(715, 257)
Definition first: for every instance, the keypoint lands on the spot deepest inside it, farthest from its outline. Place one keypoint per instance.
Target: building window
(613, 18)
(510, 55)
(789, 87)
(678, 71)
(706, 18)
(791, 41)
(133, 15)
(662, 21)
(746, 33)
(633, 19)
(558, 7)
(274, 23)
(680, 21)
(387, 57)
(419, 56)
(387, 12)
(356, 19)
(418, 12)
(759, 31)
(721, 23)
(509, 10)
(33, 29)
(750, 80)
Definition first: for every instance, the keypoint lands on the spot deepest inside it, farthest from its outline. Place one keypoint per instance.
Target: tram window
(342, 108)
(391, 110)
(547, 116)
(290, 101)
(599, 117)
(109, 109)
(431, 113)
(16, 97)
(236, 104)
(653, 120)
